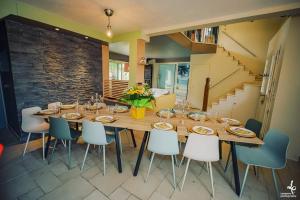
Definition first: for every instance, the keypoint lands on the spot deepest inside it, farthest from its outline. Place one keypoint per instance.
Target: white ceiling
(153, 15)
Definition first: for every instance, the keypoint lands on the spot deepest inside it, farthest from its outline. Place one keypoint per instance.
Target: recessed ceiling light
(86, 37)
(57, 29)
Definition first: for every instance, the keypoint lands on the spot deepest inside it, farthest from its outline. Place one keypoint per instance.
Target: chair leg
(275, 182)
(244, 181)
(85, 155)
(227, 162)
(181, 161)
(43, 135)
(254, 170)
(211, 179)
(104, 168)
(173, 169)
(207, 167)
(152, 157)
(52, 153)
(63, 142)
(185, 172)
(28, 137)
(69, 153)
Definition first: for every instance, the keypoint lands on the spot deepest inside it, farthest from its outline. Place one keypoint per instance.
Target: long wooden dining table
(182, 125)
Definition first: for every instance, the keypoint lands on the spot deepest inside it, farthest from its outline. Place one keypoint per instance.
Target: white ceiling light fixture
(108, 13)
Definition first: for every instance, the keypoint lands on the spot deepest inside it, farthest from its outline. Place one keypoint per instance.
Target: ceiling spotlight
(86, 37)
(57, 29)
(109, 13)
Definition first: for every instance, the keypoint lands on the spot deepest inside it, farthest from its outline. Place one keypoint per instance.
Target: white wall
(286, 111)
(255, 36)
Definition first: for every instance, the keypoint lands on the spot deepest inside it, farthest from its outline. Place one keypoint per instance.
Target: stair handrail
(237, 42)
(226, 77)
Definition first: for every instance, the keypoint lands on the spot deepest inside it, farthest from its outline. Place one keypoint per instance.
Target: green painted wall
(8, 7)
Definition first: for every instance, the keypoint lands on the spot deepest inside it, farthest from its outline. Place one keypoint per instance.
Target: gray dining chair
(252, 125)
(59, 129)
(272, 154)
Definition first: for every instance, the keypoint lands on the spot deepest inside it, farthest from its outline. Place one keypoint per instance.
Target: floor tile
(96, 195)
(48, 181)
(76, 188)
(119, 194)
(32, 195)
(17, 187)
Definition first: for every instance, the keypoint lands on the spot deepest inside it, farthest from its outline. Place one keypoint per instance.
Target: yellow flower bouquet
(139, 97)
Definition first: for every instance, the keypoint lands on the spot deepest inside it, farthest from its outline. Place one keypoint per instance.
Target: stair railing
(241, 45)
(225, 78)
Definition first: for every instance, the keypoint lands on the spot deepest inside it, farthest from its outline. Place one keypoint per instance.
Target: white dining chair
(33, 124)
(201, 148)
(164, 143)
(94, 133)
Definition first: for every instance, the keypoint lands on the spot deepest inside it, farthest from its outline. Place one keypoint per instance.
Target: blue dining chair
(60, 129)
(272, 154)
(164, 143)
(94, 133)
(253, 125)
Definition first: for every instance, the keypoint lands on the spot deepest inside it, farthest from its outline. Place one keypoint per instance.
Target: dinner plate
(67, 106)
(47, 112)
(121, 109)
(197, 116)
(242, 132)
(203, 130)
(163, 126)
(230, 122)
(72, 116)
(105, 119)
(165, 112)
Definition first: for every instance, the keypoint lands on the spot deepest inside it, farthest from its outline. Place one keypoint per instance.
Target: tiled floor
(33, 178)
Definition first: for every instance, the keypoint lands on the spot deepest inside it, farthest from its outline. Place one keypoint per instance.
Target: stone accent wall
(50, 66)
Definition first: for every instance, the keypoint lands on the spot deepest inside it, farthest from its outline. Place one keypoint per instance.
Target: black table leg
(77, 126)
(142, 148)
(220, 149)
(47, 146)
(118, 150)
(133, 138)
(235, 169)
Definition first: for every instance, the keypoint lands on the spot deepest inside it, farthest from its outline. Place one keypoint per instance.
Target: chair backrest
(165, 102)
(54, 105)
(277, 142)
(254, 125)
(59, 128)
(202, 147)
(163, 142)
(93, 133)
(29, 121)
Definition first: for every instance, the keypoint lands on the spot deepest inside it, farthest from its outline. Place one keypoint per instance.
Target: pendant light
(109, 13)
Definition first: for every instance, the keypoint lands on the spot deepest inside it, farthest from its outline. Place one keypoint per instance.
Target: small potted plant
(139, 97)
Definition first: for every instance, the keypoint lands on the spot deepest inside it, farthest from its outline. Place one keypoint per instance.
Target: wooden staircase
(195, 47)
(257, 80)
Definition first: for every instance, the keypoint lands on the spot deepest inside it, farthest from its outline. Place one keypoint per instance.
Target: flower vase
(138, 113)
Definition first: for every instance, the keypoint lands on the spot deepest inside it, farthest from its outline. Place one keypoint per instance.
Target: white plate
(242, 132)
(71, 116)
(231, 122)
(197, 116)
(105, 119)
(67, 106)
(203, 130)
(163, 126)
(47, 112)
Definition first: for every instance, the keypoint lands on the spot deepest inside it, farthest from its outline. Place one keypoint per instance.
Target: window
(118, 70)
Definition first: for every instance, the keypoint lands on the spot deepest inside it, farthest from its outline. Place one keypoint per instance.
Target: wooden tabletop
(182, 124)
